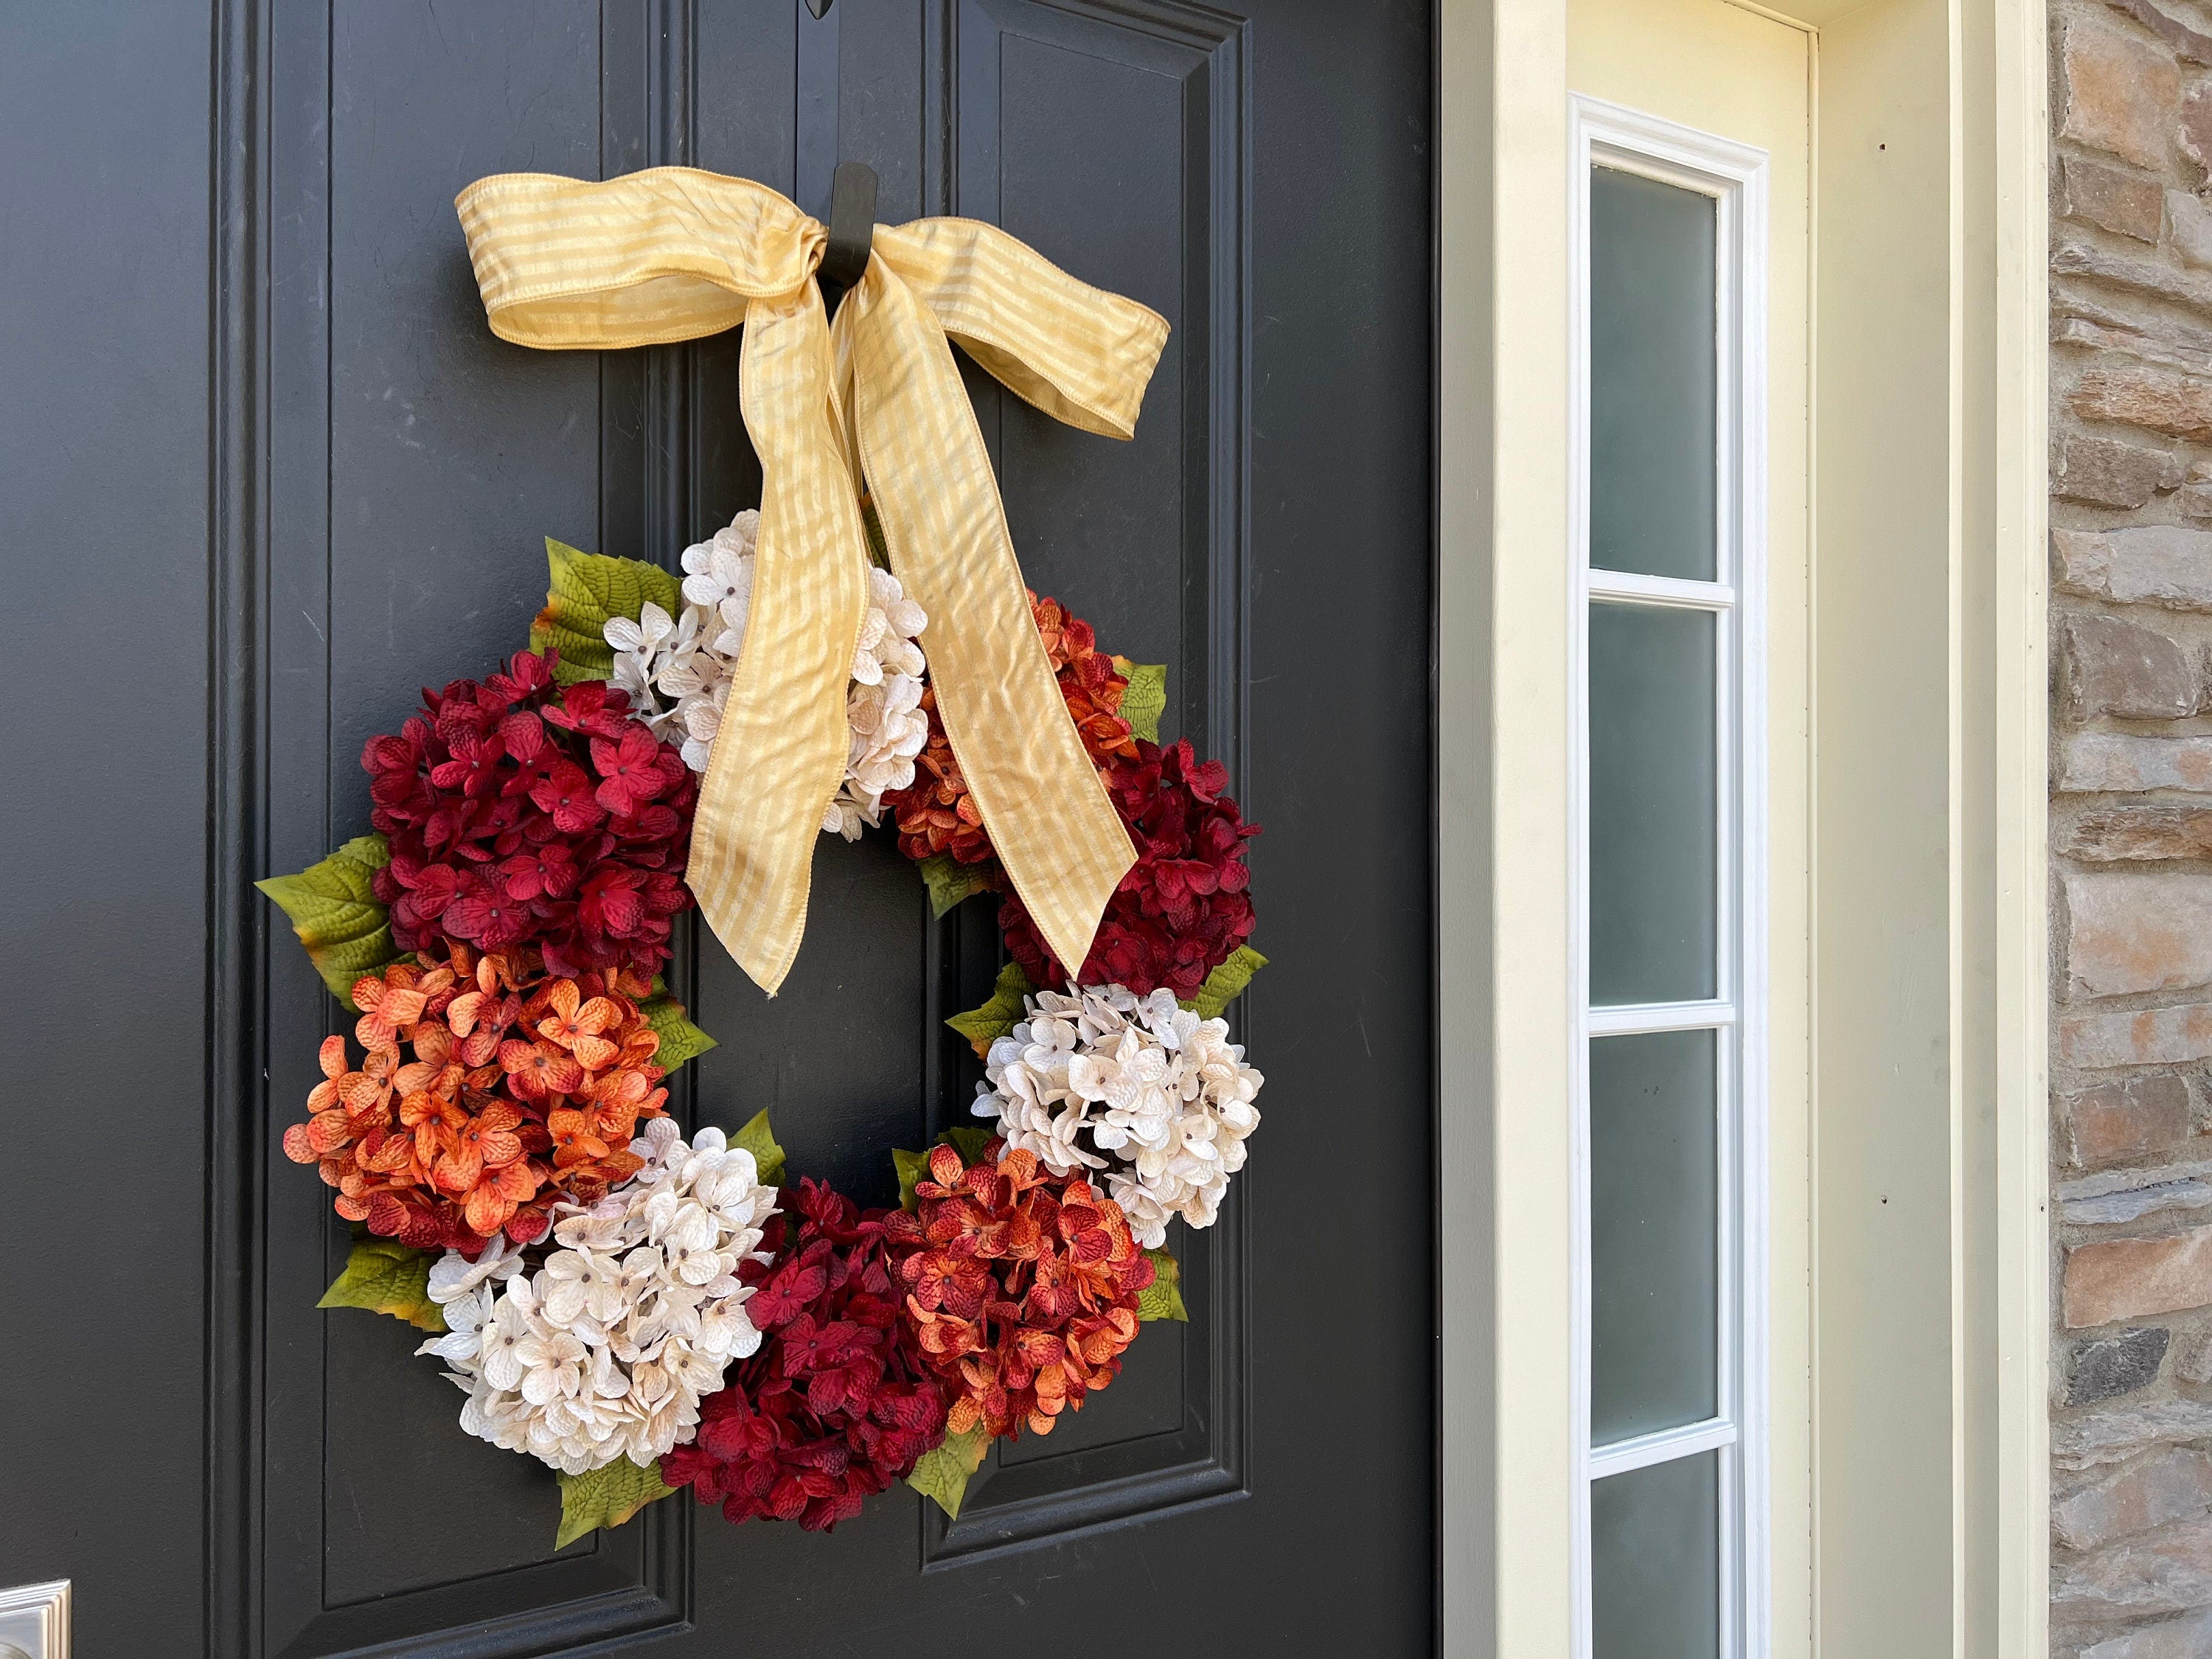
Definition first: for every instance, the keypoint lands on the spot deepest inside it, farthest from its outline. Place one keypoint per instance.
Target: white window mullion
(1664, 1446)
(1636, 1019)
(1679, 591)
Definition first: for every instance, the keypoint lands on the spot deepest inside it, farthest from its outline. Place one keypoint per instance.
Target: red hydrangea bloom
(518, 811)
(1183, 908)
(831, 1408)
(1021, 1287)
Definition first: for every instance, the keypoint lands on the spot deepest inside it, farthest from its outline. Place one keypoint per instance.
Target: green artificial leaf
(386, 1277)
(1146, 699)
(606, 1497)
(943, 1474)
(911, 1167)
(968, 1140)
(1163, 1298)
(335, 912)
(756, 1138)
(872, 526)
(680, 1040)
(1226, 983)
(985, 1025)
(589, 589)
(951, 882)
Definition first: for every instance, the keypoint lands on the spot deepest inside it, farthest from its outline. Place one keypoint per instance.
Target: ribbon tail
(779, 753)
(1054, 830)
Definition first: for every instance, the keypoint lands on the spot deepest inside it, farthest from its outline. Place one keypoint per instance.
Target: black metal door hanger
(852, 226)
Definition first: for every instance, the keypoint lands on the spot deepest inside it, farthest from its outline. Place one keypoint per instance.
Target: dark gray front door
(267, 473)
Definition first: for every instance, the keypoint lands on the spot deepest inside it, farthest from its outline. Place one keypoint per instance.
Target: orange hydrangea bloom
(936, 813)
(1021, 1287)
(487, 1092)
(1089, 682)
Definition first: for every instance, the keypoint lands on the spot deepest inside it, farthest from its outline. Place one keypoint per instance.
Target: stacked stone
(2131, 827)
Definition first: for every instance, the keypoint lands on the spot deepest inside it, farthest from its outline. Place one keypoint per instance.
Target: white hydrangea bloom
(606, 1350)
(1145, 1092)
(678, 671)
(656, 648)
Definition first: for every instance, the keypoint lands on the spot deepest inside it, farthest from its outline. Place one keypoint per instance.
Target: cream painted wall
(1883, 893)
(1930, 1241)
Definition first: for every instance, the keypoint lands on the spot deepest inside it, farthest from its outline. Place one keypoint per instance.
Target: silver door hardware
(34, 1621)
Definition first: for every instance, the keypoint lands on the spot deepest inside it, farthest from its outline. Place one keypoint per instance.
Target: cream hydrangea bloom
(606, 1350)
(678, 671)
(1143, 1090)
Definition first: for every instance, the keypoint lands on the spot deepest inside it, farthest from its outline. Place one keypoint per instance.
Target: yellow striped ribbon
(673, 253)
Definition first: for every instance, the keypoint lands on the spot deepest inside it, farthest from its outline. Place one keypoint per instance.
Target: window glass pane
(1653, 375)
(1653, 851)
(1655, 1561)
(1655, 1233)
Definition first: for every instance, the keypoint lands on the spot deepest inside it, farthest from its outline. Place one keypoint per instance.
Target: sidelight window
(1669, 487)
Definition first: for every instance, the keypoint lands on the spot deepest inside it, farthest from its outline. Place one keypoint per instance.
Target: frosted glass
(1654, 875)
(1655, 1276)
(1653, 377)
(1655, 1561)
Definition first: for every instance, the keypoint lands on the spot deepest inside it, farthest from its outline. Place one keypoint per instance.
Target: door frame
(1975, 1275)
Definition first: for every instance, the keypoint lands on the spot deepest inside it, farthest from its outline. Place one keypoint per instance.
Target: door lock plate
(34, 1621)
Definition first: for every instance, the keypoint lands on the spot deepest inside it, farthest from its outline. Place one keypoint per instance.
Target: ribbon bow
(673, 253)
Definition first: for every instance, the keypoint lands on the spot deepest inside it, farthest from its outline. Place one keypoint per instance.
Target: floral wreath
(642, 1313)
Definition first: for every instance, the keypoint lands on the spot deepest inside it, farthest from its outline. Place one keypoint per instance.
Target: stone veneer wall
(2131, 827)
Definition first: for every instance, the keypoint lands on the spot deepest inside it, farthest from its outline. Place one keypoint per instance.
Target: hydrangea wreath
(643, 1313)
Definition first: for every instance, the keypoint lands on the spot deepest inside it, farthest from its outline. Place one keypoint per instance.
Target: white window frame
(1736, 176)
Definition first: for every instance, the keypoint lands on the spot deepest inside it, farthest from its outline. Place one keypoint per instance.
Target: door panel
(1261, 180)
(1110, 142)
(400, 475)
